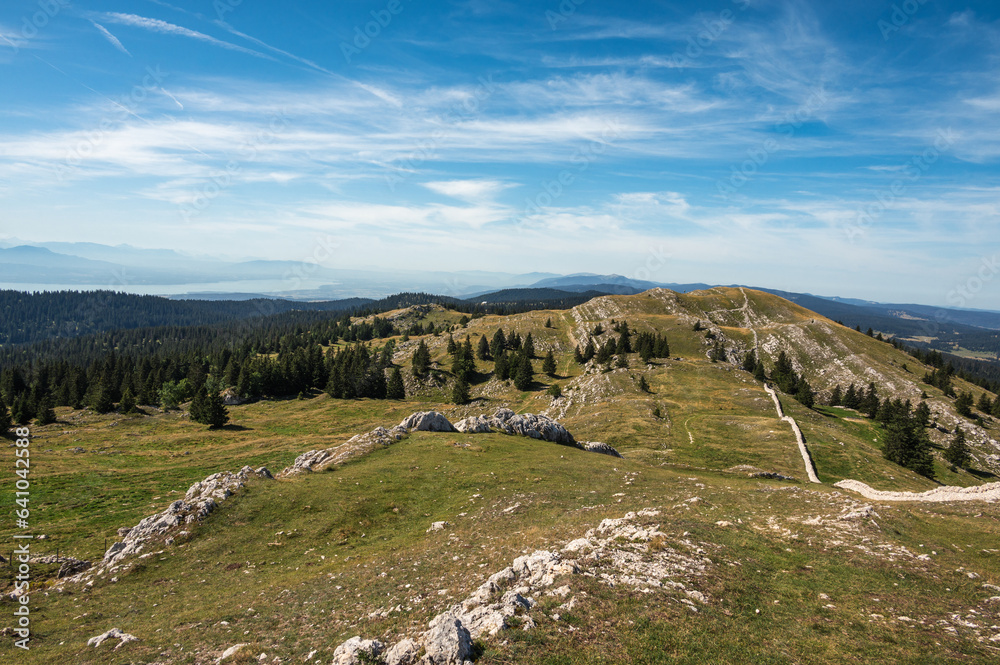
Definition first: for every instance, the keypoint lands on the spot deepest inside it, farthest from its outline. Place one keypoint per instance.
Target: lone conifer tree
(957, 453)
(549, 364)
(207, 408)
(460, 392)
(395, 388)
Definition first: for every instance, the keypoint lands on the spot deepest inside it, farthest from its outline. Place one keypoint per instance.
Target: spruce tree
(502, 366)
(460, 392)
(128, 404)
(524, 374)
(995, 409)
(589, 351)
(750, 362)
(45, 413)
(759, 374)
(548, 323)
(643, 384)
(909, 446)
(23, 410)
(529, 346)
(499, 343)
(922, 414)
(395, 388)
(985, 403)
(483, 349)
(957, 453)
(421, 359)
(5, 421)
(102, 402)
(577, 356)
(199, 406)
(217, 415)
(622, 360)
(964, 405)
(805, 394)
(837, 398)
(451, 345)
(549, 364)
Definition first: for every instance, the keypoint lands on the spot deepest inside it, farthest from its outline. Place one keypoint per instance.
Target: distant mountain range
(72, 266)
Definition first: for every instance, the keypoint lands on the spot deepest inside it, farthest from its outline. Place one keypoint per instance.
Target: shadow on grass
(982, 475)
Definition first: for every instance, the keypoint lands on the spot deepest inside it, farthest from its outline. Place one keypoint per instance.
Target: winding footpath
(988, 492)
(806, 457)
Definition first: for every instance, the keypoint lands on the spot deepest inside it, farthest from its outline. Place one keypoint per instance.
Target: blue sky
(840, 148)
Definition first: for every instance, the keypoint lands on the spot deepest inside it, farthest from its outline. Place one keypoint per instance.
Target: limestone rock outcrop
(526, 424)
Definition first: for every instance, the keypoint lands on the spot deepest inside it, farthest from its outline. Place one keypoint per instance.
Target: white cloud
(156, 25)
(473, 191)
(111, 38)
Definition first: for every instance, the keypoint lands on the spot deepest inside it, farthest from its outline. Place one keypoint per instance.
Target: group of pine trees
(294, 363)
(783, 375)
(648, 345)
(906, 441)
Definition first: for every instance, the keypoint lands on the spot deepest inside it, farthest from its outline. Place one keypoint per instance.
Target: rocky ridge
(629, 551)
(201, 499)
(503, 421)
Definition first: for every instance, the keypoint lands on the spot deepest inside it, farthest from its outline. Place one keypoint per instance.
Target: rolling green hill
(732, 567)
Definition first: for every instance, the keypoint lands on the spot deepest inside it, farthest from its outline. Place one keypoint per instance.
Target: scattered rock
(599, 447)
(437, 526)
(230, 652)
(72, 567)
(356, 651)
(113, 634)
(427, 421)
(403, 653)
(447, 642)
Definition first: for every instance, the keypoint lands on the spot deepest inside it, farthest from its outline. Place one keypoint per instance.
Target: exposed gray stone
(404, 652)
(113, 634)
(599, 447)
(446, 642)
(427, 421)
(350, 652)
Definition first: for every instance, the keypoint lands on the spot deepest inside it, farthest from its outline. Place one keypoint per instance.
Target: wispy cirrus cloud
(111, 38)
(163, 27)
